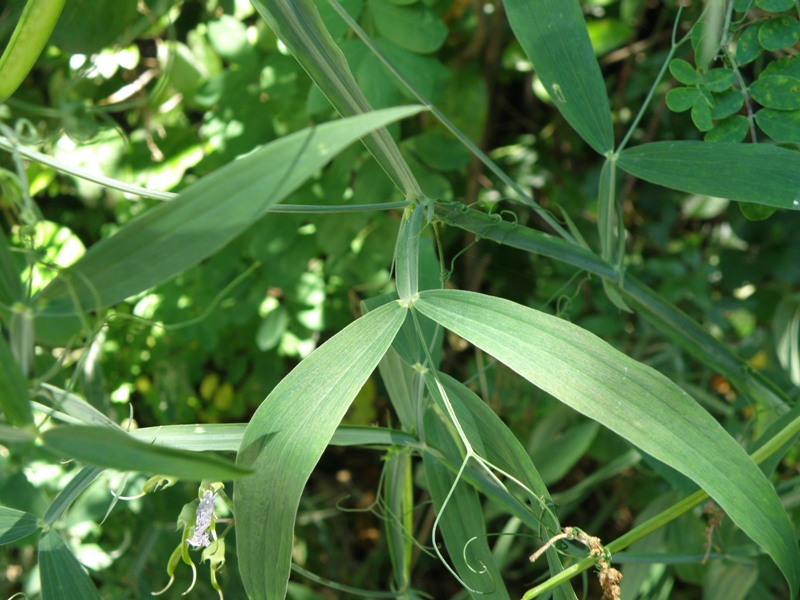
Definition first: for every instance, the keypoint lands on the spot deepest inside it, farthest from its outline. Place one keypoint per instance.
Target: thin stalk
(136, 190)
(673, 48)
(462, 137)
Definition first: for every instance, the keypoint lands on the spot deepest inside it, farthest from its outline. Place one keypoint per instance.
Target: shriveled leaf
(631, 399)
(115, 449)
(61, 575)
(16, 524)
(286, 437)
(554, 36)
(758, 173)
(207, 215)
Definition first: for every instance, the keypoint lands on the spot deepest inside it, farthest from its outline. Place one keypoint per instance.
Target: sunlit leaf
(631, 399)
(115, 449)
(207, 215)
(286, 437)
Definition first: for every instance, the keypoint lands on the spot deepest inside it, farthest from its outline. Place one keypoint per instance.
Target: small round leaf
(681, 99)
(733, 129)
(783, 126)
(779, 33)
(719, 80)
(726, 104)
(777, 91)
(701, 115)
(747, 46)
(775, 5)
(684, 72)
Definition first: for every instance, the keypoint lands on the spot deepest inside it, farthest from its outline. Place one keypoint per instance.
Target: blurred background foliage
(158, 93)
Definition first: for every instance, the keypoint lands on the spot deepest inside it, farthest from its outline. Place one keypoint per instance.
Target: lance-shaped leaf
(631, 399)
(758, 173)
(299, 26)
(105, 447)
(554, 36)
(207, 215)
(61, 575)
(286, 437)
(14, 399)
(16, 524)
(461, 519)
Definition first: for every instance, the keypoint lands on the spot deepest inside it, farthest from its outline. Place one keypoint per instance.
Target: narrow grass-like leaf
(70, 492)
(14, 399)
(74, 406)
(299, 26)
(112, 449)
(10, 284)
(207, 215)
(398, 494)
(286, 437)
(16, 524)
(631, 399)
(60, 573)
(554, 36)
(757, 173)
(672, 322)
(461, 519)
(227, 437)
(407, 251)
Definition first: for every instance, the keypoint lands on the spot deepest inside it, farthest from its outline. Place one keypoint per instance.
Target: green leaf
(61, 575)
(299, 27)
(414, 28)
(719, 80)
(407, 252)
(681, 99)
(71, 491)
(786, 332)
(701, 115)
(775, 5)
(732, 130)
(608, 34)
(777, 91)
(461, 520)
(286, 437)
(684, 72)
(780, 33)
(16, 524)
(756, 212)
(115, 449)
(553, 35)
(631, 399)
(14, 399)
(726, 104)
(747, 46)
(729, 580)
(207, 215)
(10, 284)
(757, 173)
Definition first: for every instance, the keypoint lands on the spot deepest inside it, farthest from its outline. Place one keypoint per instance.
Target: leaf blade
(554, 36)
(115, 449)
(656, 415)
(207, 215)
(757, 173)
(286, 437)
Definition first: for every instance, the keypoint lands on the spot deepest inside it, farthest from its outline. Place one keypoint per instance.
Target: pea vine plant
(465, 449)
